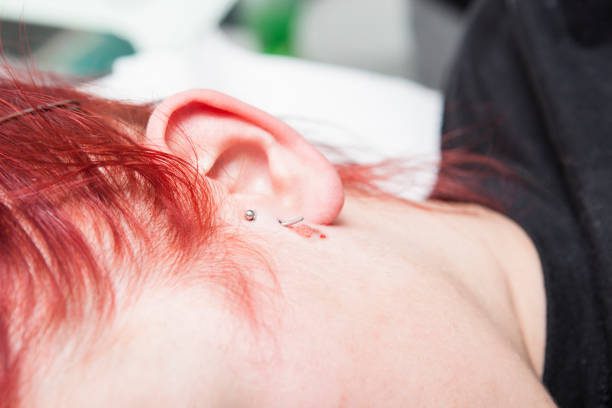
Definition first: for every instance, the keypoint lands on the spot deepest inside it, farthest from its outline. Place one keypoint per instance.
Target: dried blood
(307, 231)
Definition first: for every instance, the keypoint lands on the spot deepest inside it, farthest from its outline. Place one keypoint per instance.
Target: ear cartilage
(291, 221)
(250, 215)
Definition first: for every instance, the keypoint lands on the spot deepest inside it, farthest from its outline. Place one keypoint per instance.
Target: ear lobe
(254, 156)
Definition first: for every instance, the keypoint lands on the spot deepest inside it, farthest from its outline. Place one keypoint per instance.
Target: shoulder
(519, 265)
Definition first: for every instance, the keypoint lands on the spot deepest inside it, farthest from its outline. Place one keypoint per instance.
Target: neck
(495, 260)
(487, 255)
(411, 292)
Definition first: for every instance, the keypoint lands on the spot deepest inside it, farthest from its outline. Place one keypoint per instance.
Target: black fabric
(532, 87)
(461, 4)
(588, 21)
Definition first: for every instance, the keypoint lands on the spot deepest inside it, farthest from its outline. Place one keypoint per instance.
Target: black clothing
(532, 86)
(460, 4)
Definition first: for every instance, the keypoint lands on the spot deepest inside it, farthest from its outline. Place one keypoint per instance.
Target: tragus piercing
(291, 221)
(250, 215)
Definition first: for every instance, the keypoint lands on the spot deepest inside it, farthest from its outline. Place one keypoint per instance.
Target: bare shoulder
(520, 266)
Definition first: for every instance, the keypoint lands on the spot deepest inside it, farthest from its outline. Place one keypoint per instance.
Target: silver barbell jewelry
(251, 215)
(291, 221)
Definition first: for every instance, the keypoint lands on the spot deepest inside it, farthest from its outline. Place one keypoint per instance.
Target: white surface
(147, 24)
(370, 115)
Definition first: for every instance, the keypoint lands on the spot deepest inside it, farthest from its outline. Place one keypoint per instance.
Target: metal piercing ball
(250, 215)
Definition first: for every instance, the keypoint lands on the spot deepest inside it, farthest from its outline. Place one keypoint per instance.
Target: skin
(397, 306)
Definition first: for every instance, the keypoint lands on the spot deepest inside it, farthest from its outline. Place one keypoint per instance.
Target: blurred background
(413, 39)
(363, 76)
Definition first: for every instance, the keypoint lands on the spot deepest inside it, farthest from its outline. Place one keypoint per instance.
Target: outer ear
(254, 156)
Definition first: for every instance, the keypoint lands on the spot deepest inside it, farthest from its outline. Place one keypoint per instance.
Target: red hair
(60, 169)
(68, 174)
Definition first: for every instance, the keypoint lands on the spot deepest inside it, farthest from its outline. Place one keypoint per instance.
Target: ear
(252, 156)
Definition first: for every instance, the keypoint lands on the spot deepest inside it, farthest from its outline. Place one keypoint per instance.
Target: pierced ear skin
(253, 155)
